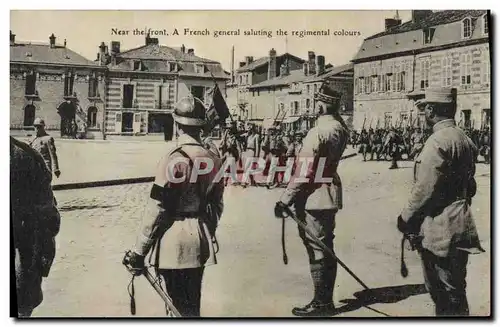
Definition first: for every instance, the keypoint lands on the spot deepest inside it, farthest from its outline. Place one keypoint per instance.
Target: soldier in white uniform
(45, 145)
(181, 217)
(317, 203)
(438, 218)
(251, 151)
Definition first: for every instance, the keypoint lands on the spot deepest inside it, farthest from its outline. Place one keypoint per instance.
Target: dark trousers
(323, 267)
(184, 287)
(445, 281)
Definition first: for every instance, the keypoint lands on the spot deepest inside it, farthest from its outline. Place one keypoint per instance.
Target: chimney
(391, 22)
(151, 40)
(418, 15)
(52, 39)
(183, 49)
(248, 59)
(242, 63)
(191, 52)
(320, 65)
(312, 62)
(12, 38)
(115, 47)
(285, 69)
(271, 70)
(305, 68)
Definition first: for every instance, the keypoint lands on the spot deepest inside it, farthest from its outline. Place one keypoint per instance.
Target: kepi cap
(327, 94)
(437, 95)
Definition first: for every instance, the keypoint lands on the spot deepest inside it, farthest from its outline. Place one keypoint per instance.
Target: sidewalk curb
(122, 181)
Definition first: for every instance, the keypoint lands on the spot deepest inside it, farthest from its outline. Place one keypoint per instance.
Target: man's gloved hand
(280, 209)
(134, 262)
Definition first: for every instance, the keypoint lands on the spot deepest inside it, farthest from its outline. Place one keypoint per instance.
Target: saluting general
(316, 203)
(45, 145)
(438, 217)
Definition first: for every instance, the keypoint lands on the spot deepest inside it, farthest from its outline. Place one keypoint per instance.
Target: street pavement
(250, 279)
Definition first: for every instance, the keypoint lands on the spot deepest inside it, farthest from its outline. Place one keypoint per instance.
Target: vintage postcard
(250, 163)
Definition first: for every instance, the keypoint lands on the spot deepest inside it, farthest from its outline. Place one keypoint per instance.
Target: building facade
(144, 83)
(50, 81)
(252, 72)
(435, 49)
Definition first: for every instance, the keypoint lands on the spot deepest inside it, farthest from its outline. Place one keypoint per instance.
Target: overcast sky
(85, 30)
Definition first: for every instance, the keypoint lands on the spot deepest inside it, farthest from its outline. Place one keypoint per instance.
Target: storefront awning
(291, 119)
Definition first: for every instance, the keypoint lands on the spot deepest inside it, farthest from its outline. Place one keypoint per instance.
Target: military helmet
(39, 122)
(187, 113)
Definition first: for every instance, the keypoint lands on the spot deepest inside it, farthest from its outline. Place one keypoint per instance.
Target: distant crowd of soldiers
(242, 141)
(395, 142)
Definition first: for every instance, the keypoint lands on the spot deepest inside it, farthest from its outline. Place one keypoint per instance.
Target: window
(308, 103)
(93, 86)
(388, 119)
(315, 88)
(241, 79)
(361, 85)
(308, 89)
(137, 65)
(465, 68)
(295, 107)
(425, 68)
(374, 83)
(128, 95)
(379, 83)
(69, 79)
(162, 96)
(171, 66)
(428, 34)
(29, 115)
(92, 117)
(199, 69)
(389, 79)
(246, 79)
(198, 92)
(466, 28)
(485, 67)
(485, 24)
(446, 71)
(30, 87)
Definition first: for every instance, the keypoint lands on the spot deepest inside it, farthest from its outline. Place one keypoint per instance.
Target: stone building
(435, 49)
(50, 81)
(144, 83)
(289, 97)
(251, 72)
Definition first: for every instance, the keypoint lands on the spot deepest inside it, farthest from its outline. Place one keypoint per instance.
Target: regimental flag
(217, 110)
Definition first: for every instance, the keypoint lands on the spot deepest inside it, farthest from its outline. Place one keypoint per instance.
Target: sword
(169, 305)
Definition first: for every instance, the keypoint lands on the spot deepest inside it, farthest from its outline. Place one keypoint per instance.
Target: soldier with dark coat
(35, 223)
(317, 202)
(364, 143)
(45, 145)
(438, 218)
(182, 215)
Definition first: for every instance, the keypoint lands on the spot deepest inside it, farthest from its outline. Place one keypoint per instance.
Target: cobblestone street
(99, 224)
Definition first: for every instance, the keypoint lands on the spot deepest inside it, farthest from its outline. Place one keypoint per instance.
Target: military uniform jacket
(45, 145)
(328, 139)
(35, 221)
(183, 238)
(439, 205)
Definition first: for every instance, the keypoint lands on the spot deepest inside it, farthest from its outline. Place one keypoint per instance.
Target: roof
(43, 53)
(330, 72)
(156, 59)
(264, 60)
(161, 52)
(408, 36)
(436, 18)
(294, 77)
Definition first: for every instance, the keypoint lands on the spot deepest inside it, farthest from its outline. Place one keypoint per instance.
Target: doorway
(29, 115)
(127, 122)
(67, 111)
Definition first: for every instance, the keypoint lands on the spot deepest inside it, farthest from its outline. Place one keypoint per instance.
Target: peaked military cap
(327, 94)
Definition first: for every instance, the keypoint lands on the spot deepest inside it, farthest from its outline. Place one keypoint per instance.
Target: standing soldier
(35, 223)
(45, 145)
(364, 143)
(317, 203)
(417, 143)
(438, 218)
(484, 143)
(392, 145)
(252, 146)
(182, 216)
